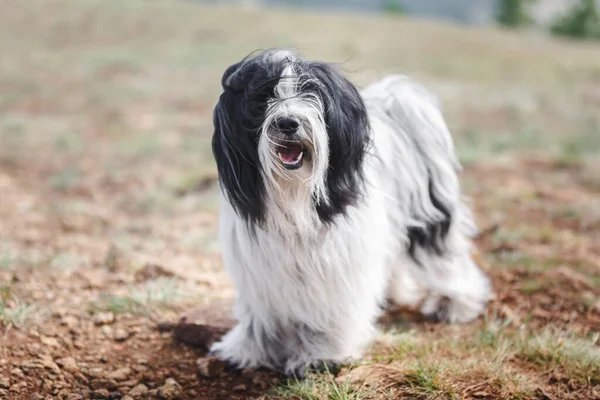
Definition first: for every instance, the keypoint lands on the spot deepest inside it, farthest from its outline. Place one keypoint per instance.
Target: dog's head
(288, 130)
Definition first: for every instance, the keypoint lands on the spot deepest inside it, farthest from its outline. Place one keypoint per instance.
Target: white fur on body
(310, 292)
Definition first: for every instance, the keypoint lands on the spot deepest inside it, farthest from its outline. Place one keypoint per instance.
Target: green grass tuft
(323, 387)
(13, 312)
(160, 293)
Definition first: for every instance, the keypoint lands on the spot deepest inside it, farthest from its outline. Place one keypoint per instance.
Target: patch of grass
(321, 387)
(157, 200)
(425, 379)
(7, 260)
(65, 179)
(454, 363)
(68, 142)
(492, 333)
(67, 261)
(119, 305)
(32, 259)
(143, 145)
(577, 358)
(474, 146)
(513, 259)
(579, 146)
(531, 286)
(141, 300)
(13, 312)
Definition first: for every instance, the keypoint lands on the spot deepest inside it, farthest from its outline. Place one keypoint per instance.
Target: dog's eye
(263, 97)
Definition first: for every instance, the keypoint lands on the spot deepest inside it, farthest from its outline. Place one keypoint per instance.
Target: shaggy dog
(334, 200)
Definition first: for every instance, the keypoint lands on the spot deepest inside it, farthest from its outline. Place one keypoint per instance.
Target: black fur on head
(239, 115)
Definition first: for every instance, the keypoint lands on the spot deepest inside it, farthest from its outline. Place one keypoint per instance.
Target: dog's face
(286, 128)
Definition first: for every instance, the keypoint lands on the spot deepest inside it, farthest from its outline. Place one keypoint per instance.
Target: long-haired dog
(334, 201)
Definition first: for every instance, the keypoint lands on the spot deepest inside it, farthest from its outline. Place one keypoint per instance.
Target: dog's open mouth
(291, 155)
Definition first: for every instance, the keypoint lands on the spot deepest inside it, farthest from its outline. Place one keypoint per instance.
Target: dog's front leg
(240, 348)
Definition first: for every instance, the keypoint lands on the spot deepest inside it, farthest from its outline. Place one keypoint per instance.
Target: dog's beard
(294, 165)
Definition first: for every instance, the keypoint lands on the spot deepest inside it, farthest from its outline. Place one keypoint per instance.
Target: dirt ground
(108, 205)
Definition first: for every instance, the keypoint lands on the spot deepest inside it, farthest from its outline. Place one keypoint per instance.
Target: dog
(334, 201)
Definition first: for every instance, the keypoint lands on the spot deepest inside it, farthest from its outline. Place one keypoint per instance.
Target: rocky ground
(108, 204)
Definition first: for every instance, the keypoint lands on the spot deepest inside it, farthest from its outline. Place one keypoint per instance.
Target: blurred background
(108, 195)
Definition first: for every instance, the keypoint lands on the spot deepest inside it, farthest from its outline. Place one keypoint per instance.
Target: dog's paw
(453, 310)
(238, 351)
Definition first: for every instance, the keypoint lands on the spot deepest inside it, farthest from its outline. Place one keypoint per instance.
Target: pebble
(4, 383)
(120, 374)
(49, 363)
(68, 364)
(70, 321)
(120, 335)
(103, 384)
(138, 391)
(210, 366)
(108, 331)
(104, 318)
(170, 390)
(100, 394)
(49, 341)
(240, 388)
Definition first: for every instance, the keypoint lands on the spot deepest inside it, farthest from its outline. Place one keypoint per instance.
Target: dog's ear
(234, 146)
(349, 137)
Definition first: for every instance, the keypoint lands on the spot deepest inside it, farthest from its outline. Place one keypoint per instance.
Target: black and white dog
(334, 201)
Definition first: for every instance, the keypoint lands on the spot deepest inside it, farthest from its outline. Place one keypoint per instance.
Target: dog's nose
(287, 125)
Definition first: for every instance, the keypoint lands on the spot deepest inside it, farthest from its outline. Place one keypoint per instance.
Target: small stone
(120, 335)
(100, 394)
(103, 384)
(104, 318)
(49, 341)
(120, 374)
(68, 364)
(210, 366)
(170, 390)
(127, 397)
(75, 396)
(108, 331)
(48, 363)
(129, 384)
(4, 382)
(3, 393)
(96, 372)
(138, 391)
(240, 388)
(17, 373)
(70, 321)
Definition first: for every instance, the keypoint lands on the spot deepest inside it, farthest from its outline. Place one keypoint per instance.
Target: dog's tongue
(290, 153)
